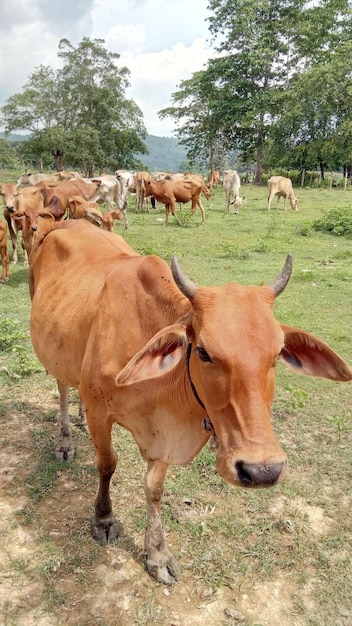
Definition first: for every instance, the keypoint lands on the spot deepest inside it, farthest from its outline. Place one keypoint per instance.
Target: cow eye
(203, 355)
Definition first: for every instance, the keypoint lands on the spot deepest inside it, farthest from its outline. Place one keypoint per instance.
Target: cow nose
(34, 228)
(253, 475)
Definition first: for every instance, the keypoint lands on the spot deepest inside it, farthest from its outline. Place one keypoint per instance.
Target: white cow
(232, 184)
(281, 187)
(113, 190)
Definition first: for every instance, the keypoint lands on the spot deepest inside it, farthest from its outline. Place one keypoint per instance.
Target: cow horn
(280, 282)
(184, 283)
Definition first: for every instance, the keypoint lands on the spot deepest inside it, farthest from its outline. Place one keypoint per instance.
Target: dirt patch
(53, 573)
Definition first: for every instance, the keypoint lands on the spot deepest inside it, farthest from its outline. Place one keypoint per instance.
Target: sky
(162, 42)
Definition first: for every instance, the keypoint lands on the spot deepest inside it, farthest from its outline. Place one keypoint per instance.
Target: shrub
(336, 222)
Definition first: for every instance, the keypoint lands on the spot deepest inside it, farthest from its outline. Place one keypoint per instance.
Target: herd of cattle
(38, 200)
(173, 362)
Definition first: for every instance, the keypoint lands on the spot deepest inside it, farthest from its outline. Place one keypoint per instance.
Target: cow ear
(308, 355)
(158, 357)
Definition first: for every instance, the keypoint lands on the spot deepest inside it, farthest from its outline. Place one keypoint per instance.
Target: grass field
(278, 557)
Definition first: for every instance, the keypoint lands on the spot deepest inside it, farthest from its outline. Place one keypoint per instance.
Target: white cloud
(161, 42)
(155, 76)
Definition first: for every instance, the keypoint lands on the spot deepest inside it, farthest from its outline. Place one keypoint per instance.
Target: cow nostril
(253, 475)
(243, 475)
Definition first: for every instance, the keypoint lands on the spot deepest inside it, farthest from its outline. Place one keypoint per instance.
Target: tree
(315, 110)
(195, 106)
(82, 107)
(8, 157)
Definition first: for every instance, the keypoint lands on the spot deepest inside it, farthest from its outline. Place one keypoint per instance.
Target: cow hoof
(105, 531)
(163, 567)
(65, 453)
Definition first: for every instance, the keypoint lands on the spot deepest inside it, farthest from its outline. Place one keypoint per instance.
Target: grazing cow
(200, 363)
(5, 274)
(281, 187)
(214, 178)
(232, 184)
(168, 192)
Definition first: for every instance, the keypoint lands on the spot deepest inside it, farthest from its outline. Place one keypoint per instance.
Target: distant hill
(165, 154)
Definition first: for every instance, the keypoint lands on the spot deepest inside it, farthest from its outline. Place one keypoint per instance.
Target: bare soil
(51, 571)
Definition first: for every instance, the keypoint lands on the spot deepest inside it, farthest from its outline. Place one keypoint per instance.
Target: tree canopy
(276, 87)
(79, 114)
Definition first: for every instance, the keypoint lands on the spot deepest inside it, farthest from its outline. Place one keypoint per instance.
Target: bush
(336, 222)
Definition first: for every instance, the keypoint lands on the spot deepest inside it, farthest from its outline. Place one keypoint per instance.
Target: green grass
(297, 533)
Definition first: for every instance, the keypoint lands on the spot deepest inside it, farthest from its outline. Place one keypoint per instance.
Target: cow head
(230, 343)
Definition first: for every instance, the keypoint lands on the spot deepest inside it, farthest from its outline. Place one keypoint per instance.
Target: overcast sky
(160, 41)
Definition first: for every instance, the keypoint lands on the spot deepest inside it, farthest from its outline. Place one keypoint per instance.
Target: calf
(109, 217)
(281, 187)
(5, 274)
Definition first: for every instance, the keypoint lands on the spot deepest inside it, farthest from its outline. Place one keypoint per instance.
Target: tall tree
(195, 109)
(86, 101)
(254, 40)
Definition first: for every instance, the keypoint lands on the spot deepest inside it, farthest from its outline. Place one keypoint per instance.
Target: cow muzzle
(253, 475)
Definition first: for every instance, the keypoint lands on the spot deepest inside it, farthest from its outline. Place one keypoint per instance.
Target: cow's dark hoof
(106, 531)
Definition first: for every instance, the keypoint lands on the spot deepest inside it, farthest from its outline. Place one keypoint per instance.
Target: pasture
(276, 557)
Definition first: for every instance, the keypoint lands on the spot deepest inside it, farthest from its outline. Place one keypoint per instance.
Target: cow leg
(104, 526)
(82, 416)
(13, 235)
(202, 210)
(161, 563)
(64, 446)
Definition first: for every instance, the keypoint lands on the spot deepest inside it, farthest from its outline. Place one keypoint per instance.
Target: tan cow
(200, 362)
(168, 192)
(281, 187)
(5, 274)
(31, 179)
(8, 192)
(232, 183)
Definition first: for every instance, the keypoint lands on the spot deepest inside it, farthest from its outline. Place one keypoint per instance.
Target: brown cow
(77, 208)
(16, 203)
(282, 188)
(169, 192)
(8, 192)
(201, 361)
(5, 274)
(31, 217)
(214, 178)
(65, 189)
